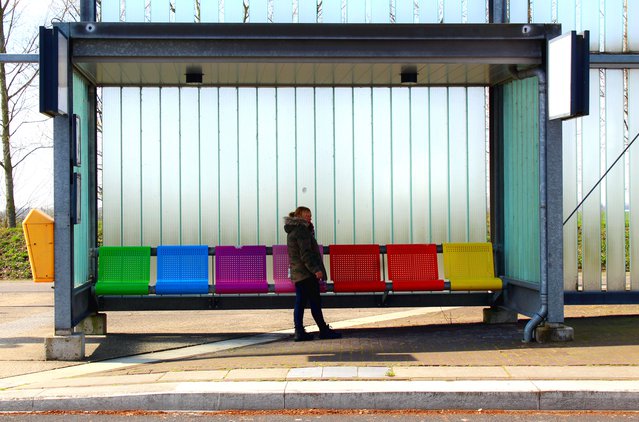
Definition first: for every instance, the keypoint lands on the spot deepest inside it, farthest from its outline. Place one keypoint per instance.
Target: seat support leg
(95, 324)
(67, 348)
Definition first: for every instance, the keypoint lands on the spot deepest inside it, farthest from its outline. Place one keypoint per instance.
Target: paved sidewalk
(432, 358)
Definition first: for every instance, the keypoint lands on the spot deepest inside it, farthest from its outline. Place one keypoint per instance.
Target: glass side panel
(363, 165)
(567, 15)
(521, 181)
(306, 12)
(356, 11)
(229, 170)
(209, 165)
(633, 130)
(234, 12)
(404, 11)
(209, 11)
(110, 10)
(477, 12)
(184, 10)
(570, 201)
(518, 11)
(160, 11)
(542, 11)
(613, 25)
(380, 11)
(82, 242)
(429, 11)
(633, 26)
(282, 12)
(615, 181)
(286, 155)
(324, 165)
(590, 20)
(258, 11)
(591, 225)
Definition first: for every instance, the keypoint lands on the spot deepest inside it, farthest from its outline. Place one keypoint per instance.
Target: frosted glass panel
(566, 15)
(285, 155)
(110, 10)
(189, 166)
(234, 11)
(452, 11)
(633, 130)
(613, 21)
(569, 161)
(591, 237)
(476, 164)
(184, 11)
(306, 147)
(171, 218)
(633, 26)
(112, 167)
(209, 11)
(429, 11)
(332, 11)
(151, 188)
(131, 173)
(344, 172)
(382, 166)
(590, 21)
(380, 12)
(283, 11)
(134, 11)
(363, 165)
(542, 11)
(160, 11)
(270, 218)
(229, 188)
(248, 166)
(209, 165)
(401, 174)
(356, 11)
(258, 11)
(458, 167)
(404, 11)
(324, 167)
(615, 224)
(307, 11)
(420, 166)
(518, 11)
(477, 11)
(439, 164)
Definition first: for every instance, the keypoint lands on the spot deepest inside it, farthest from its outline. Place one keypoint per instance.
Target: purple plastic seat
(240, 270)
(281, 278)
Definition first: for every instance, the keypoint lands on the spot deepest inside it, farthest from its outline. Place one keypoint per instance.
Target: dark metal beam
(614, 61)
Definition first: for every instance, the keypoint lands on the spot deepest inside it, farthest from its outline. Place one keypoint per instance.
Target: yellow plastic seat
(469, 266)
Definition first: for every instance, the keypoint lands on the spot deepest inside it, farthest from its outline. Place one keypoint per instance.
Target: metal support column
(87, 11)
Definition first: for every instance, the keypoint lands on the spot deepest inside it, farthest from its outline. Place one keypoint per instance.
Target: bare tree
(16, 97)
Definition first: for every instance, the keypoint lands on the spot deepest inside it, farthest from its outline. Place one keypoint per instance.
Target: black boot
(302, 335)
(327, 333)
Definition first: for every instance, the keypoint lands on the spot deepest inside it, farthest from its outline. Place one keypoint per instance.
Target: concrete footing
(499, 316)
(95, 325)
(67, 348)
(554, 332)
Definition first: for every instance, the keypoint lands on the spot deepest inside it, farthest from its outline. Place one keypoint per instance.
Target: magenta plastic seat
(240, 270)
(281, 278)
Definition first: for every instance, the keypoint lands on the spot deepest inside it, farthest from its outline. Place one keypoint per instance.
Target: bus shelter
(509, 60)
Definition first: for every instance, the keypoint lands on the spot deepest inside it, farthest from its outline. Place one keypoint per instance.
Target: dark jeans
(307, 290)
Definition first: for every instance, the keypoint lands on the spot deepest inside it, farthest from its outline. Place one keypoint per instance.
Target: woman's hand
(319, 275)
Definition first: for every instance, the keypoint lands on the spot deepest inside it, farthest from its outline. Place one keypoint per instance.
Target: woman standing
(307, 269)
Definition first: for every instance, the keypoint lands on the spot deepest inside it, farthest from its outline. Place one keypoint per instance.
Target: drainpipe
(541, 314)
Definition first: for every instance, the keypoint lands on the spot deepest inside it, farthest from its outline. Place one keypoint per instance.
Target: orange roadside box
(38, 233)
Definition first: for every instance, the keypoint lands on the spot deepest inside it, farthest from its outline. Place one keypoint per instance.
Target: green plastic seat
(123, 270)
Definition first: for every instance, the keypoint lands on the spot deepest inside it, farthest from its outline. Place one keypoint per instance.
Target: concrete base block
(554, 332)
(68, 348)
(499, 316)
(93, 325)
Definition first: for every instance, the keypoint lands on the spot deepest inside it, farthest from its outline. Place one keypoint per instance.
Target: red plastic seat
(413, 267)
(356, 268)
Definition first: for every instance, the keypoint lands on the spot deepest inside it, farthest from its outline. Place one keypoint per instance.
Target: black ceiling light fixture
(193, 75)
(409, 75)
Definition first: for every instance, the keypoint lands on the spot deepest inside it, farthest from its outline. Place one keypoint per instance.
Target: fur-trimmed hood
(290, 223)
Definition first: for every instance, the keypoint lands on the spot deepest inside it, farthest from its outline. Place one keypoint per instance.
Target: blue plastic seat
(182, 270)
